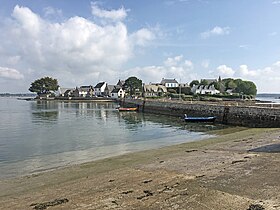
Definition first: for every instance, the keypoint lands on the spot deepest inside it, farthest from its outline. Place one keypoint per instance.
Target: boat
(127, 108)
(199, 119)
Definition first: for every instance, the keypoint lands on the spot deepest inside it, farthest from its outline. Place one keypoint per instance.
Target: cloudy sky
(84, 42)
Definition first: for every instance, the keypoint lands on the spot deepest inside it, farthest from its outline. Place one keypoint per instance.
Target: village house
(154, 90)
(121, 83)
(183, 85)
(99, 89)
(204, 89)
(83, 91)
(67, 93)
(169, 83)
(64, 92)
(109, 89)
(117, 92)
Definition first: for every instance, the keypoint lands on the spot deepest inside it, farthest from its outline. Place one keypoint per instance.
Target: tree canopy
(240, 86)
(194, 82)
(133, 84)
(44, 85)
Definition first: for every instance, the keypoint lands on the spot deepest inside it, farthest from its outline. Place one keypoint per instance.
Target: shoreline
(223, 172)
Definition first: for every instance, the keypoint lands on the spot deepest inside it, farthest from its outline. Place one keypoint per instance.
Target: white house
(64, 92)
(169, 83)
(83, 91)
(99, 89)
(204, 89)
(117, 93)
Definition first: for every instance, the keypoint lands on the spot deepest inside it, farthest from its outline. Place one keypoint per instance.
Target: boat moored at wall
(199, 119)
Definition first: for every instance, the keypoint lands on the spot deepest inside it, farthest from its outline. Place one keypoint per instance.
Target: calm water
(37, 136)
(275, 98)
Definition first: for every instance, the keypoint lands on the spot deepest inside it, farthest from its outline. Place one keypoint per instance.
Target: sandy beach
(236, 170)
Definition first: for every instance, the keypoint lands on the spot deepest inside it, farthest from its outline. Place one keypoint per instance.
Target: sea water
(41, 135)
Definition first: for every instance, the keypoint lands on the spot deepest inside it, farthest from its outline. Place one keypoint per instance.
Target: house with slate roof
(109, 89)
(169, 83)
(83, 91)
(121, 83)
(99, 89)
(117, 92)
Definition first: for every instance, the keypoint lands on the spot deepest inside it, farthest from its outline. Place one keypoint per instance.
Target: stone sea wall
(231, 114)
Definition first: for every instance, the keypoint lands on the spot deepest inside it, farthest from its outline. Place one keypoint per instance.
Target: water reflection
(45, 116)
(44, 111)
(81, 131)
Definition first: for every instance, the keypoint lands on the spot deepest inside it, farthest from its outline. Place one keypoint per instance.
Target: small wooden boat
(199, 119)
(127, 108)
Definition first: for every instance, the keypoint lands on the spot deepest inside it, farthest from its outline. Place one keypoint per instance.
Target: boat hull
(124, 109)
(200, 119)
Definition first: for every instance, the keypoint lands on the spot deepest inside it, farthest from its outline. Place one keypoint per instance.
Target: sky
(81, 42)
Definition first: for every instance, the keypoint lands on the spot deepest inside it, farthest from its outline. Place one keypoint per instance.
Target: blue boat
(199, 119)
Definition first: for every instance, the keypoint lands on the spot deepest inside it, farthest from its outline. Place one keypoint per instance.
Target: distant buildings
(169, 83)
(102, 89)
(154, 90)
(204, 90)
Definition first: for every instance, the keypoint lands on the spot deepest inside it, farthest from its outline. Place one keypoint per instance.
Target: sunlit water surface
(42, 135)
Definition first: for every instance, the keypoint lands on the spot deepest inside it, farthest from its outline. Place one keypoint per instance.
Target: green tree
(44, 85)
(246, 87)
(204, 82)
(217, 85)
(231, 85)
(133, 85)
(194, 82)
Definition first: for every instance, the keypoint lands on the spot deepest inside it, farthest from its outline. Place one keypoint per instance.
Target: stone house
(83, 91)
(154, 90)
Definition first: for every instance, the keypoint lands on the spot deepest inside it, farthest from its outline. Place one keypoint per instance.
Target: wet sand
(231, 171)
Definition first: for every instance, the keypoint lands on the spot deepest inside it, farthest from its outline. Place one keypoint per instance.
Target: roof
(110, 88)
(154, 88)
(63, 90)
(121, 82)
(204, 87)
(164, 81)
(68, 91)
(210, 80)
(116, 90)
(86, 86)
(99, 85)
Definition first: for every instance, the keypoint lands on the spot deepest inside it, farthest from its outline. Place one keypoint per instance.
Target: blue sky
(84, 42)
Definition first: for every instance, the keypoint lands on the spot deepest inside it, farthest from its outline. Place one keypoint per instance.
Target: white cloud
(115, 15)
(205, 64)
(173, 61)
(276, 2)
(10, 73)
(244, 46)
(245, 72)
(76, 51)
(142, 37)
(216, 31)
(173, 2)
(173, 67)
(50, 11)
(273, 33)
(277, 64)
(267, 79)
(225, 71)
